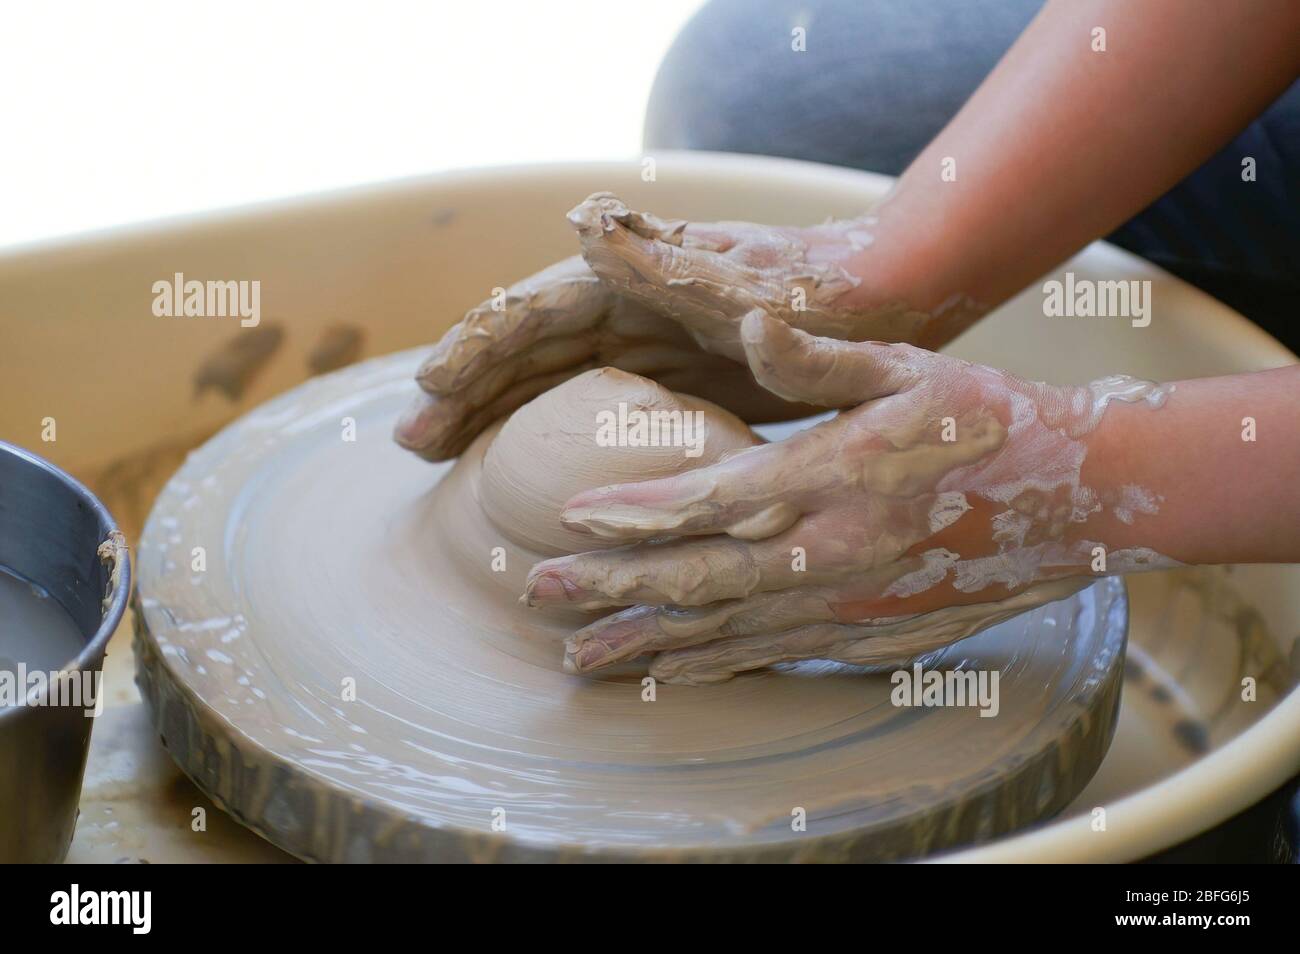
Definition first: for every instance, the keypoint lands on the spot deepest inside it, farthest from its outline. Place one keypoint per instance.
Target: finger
(645, 629)
(853, 644)
(721, 659)
(753, 495)
(675, 360)
(440, 428)
(899, 641)
(563, 300)
(885, 643)
(642, 629)
(644, 256)
(731, 386)
(545, 357)
(440, 425)
(686, 573)
(798, 366)
(707, 276)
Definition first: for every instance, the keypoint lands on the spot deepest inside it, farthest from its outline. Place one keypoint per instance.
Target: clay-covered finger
(708, 290)
(753, 495)
(440, 428)
(677, 363)
(546, 357)
(645, 629)
(856, 644)
(685, 573)
(877, 644)
(721, 659)
(674, 363)
(561, 301)
(798, 366)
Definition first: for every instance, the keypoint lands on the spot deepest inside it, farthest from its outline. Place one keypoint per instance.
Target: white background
(114, 112)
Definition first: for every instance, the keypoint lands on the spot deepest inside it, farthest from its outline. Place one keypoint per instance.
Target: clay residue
(232, 367)
(338, 346)
(1117, 387)
(112, 553)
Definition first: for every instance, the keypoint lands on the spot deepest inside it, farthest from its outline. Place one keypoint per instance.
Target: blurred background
(122, 112)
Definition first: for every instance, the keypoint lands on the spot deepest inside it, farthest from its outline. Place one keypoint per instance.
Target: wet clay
(569, 439)
(345, 676)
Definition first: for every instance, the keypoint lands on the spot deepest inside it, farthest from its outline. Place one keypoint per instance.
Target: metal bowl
(54, 533)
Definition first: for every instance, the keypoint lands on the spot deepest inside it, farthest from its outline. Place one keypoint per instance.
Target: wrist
(1124, 506)
(908, 266)
(1222, 493)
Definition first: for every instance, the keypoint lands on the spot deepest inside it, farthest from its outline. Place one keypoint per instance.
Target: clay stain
(1194, 736)
(338, 346)
(232, 367)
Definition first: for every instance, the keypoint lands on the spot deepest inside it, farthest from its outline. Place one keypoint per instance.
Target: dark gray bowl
(56, 534)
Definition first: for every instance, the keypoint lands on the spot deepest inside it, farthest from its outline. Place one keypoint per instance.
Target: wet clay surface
(346, 678)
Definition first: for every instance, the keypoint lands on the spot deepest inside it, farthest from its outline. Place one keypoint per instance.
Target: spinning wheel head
(348, 678)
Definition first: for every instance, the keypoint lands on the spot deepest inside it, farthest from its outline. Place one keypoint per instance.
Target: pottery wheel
(302, 669)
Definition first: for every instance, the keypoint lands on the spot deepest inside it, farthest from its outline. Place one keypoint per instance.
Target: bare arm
(1062, 143)
(1225, 455)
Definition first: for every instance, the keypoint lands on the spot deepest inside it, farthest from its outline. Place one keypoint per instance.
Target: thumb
(827, 372)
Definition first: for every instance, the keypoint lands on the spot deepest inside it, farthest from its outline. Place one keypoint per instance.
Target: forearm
(1221, 463)
(1061, 143)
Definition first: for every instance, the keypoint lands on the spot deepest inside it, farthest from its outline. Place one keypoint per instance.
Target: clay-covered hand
(709, 275)
(663, 299)
(949, 489)
(546, 329)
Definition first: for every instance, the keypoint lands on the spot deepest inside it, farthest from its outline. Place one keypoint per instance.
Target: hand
(553, 326)
(949, 489)
(657, 298)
